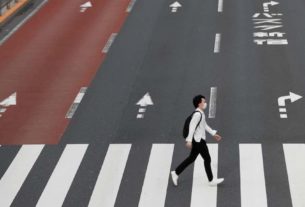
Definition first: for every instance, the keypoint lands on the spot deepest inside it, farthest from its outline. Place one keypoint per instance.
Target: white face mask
(205, 105)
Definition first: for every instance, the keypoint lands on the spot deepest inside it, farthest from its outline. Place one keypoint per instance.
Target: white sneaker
(174, 178)
(216, 181)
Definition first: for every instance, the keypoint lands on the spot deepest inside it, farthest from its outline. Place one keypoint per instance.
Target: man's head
(199, 102)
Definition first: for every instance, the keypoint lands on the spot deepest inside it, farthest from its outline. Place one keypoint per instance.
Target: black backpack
(187, 124)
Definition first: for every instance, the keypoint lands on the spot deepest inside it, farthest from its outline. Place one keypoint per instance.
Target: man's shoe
(174, 178)
(216, 181)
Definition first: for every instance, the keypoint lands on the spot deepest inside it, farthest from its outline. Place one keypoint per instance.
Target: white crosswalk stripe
(156, 180)
(17, 172)
(295, 163)
(109, 179)
(156, 177)
(252, 178)
(202, 192)
(62, 176)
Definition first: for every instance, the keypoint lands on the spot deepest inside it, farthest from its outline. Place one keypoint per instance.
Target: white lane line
(110, 176)
(213, 98)
(252, 178)
(217, 43)
(61, 179)
(23, 22)
(220, 5)
(76, 102)
(295, 164)
(156, 178)
(202, 193)
(109, 43)
(17, 172)
(131, 5)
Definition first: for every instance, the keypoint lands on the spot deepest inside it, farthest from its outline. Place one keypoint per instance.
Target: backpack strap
(199, 120)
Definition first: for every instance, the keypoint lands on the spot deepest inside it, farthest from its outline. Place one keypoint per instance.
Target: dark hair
(197, 100)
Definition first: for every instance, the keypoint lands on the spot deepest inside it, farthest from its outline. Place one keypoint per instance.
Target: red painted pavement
(47, 61)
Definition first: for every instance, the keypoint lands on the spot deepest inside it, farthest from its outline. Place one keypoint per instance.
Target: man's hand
(217, 137)
(188, 145)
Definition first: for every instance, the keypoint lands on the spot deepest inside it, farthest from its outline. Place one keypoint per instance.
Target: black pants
(202, 149)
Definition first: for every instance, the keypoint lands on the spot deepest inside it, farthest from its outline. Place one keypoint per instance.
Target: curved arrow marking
(282, 102)
(292, 96)
(267, 4)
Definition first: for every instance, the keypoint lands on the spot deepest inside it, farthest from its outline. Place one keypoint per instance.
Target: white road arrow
(10, 101)
(145, 101)
(175, 6)
(292, 96)
(267, 4)
(85, 6)
(282, 102)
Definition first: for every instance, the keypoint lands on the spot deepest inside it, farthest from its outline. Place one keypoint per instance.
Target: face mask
(205, 105)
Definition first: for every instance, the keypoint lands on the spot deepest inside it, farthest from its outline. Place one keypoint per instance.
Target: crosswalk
(156, 181)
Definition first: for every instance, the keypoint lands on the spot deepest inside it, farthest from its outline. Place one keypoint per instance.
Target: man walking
(196, 142)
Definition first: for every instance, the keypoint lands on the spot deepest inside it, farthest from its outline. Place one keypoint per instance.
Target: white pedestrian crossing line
(110, 176)
(295, 164)
(17, 172)
(155, 185)
(202, 193)
(252, 178)
(157, 175)
(62, 176)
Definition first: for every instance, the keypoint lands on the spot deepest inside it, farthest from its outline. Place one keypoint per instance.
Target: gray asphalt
(172, 57)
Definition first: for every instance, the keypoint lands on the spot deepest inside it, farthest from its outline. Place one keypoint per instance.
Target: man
(196, 142)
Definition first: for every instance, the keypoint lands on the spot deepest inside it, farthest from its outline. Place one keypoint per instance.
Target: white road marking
(22, 22)
(85, 6)
(217, 43)
(295, 164)
(131, 5)
(109, 43)
(76, 103)
(110, 176)
(9, 101)
(157, 175)
(144, 102)
(175, 6)
(252, 178)
(213, 98)
(202, 193)
(220, 5)
(17, 172)
(61, 179)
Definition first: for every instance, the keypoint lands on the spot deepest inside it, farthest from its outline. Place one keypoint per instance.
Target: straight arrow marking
(145, 101)
(10, 101)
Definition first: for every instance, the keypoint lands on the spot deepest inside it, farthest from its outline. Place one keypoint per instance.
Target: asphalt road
(172, 56)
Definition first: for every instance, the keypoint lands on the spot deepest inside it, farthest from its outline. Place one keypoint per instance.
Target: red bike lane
(47, 61)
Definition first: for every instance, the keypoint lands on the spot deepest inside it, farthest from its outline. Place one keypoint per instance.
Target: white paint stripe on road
(76, 103)
(213, 98)
(61, 179)
(220, 5)
(109, 43)
(23, 22)
(295, 164)
(110, 176)
(217, 43)
(131, 5)
(17, 172)
(156, 178)
(252, 178)
(202, 193)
